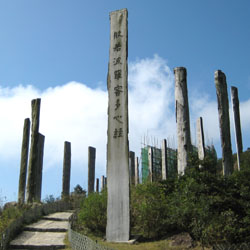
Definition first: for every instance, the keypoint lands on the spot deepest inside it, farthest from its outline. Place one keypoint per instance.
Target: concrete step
(61, 216)
(39, 240)
(47, 226)
(48, 233)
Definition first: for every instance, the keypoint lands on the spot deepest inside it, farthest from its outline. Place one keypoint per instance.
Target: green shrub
(149, 210)
(8, 215)
(78, 190)
(92, 215)
(213, 209)
(244, 160)
(50, 199)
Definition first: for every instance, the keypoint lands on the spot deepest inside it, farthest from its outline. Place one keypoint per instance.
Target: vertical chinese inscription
(118, 220)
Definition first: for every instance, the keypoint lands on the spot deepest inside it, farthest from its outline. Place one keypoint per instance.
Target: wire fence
(82, 242)
(241, 246)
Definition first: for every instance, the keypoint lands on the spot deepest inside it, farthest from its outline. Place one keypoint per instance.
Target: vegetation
(92, 216)
(2, 201)
(9, 214)
(152, 245)
(211, 208)
(78, 190)
(50, 199)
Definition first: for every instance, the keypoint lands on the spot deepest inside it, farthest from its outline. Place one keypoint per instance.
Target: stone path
(47, 233)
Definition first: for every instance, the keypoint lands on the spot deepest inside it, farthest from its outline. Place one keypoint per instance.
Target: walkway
(47, 233)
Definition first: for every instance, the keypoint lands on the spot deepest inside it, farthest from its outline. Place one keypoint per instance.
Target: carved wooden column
(24, 161)
(118, 209)
(223, 111)
(200, 137)
(237, 126)
(91, 169)
(182, 118)
(66, 170)
(34, 154)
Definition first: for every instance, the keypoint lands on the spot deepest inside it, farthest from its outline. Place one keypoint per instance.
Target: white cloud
(71, 112)
(76, 113)
(244, 112)
(201, 105)
(15, 107)
(151, 102)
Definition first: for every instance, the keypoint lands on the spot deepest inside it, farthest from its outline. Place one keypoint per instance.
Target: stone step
(47, 226)
(48, 233)
(39, 240)
(61, 216)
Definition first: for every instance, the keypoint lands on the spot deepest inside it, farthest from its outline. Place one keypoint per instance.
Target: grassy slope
(154, 245)
(157, 245)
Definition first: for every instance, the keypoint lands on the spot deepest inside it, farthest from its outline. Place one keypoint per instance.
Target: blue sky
(58, 50)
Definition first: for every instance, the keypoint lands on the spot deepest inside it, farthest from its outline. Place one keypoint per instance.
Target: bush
(149, 210)
(8, 215)
(50, 199)
(213, 209)
(92, 215)
(78, 190)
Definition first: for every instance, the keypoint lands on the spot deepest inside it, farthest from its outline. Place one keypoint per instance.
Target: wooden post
(237, 126)
(24, 161)
(66, 170)
(201, 142)
(137, 181)
(118, 208)
(164, 163)
(39, 167)
(223, 111)
(150, 164)
(97, 185)
(91, 169)
(34, 154)
(182, 118)
(132, 168)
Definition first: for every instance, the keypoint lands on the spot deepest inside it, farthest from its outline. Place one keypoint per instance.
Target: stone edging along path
(47, 233)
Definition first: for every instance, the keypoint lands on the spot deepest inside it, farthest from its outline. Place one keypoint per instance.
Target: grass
(153, 245)
(8, 216)
(156, 245)
(67, 243)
